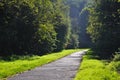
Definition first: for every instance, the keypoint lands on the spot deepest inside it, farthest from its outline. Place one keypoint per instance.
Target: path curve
(62, 69)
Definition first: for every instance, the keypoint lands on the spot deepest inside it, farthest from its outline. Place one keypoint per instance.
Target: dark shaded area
(104, 27)
(37, 27)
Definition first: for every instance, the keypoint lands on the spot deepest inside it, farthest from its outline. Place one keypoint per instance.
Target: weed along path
(62, 69)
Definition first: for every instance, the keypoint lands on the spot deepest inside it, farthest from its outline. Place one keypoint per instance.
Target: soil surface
(62, 69)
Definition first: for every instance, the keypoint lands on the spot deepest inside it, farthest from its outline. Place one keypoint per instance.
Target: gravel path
(62, 69)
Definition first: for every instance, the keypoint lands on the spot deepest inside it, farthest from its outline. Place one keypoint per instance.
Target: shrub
(116, 57)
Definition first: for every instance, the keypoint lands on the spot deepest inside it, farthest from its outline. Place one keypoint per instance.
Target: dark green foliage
(44, 40)
(62, 25)
(32, 27)
(84, 38)
(104, 26)
(73, 43)
(79, 22)
(61, 30)
(16, 27)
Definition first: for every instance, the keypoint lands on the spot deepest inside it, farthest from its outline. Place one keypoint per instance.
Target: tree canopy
(33, 26)
(42, 26)
(104, 26)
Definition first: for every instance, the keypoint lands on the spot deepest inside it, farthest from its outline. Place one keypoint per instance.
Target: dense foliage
(79, 22)
(32, 27)
(42, 26)
(104, 26)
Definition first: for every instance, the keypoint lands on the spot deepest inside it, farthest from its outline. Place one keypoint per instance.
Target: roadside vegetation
(93, 68)
(23, 63)
(103, 61)
(39, 27)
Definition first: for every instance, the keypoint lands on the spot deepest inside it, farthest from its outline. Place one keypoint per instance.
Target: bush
(116, 57)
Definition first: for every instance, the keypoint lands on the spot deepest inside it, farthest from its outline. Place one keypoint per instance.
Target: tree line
(97, 21)
(104, 26)
(43, 26)
(33, 26)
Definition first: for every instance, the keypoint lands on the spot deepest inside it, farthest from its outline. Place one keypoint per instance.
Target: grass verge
(8, 68)
(94, 69)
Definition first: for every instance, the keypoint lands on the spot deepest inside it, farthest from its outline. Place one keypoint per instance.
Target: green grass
(94, 69)
(8, 68)
(115, 63)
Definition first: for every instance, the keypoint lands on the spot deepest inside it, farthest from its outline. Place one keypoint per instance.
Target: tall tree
(104, 25)
(33, 27)
(79, 21)
(62, 24)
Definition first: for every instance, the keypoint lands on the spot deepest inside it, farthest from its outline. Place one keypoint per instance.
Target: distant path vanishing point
(62, 69)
